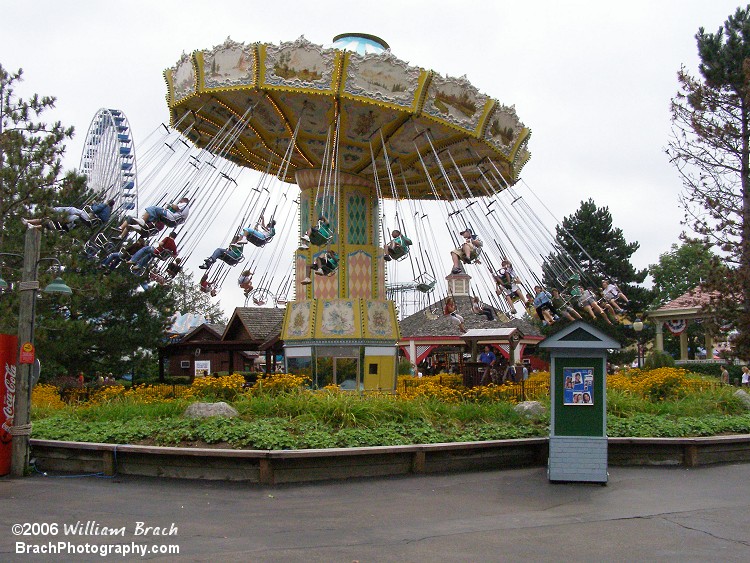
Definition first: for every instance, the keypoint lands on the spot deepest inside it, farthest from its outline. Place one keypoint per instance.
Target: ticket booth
(578, 397)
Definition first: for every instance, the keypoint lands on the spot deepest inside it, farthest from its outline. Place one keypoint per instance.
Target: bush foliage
(280, 411)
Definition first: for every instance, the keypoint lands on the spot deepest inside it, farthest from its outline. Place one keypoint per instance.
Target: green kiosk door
(578, 389)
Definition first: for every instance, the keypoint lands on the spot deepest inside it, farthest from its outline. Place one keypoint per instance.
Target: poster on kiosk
(8, 351)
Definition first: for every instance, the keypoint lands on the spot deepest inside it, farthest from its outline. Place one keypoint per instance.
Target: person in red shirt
(167, 247)
(207, 286)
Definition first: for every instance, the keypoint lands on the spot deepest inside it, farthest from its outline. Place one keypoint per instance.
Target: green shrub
(404, 367)
(658, 359)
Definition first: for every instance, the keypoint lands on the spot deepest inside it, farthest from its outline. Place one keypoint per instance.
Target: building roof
(257, 323)
(419, 325)
(202, 332)
(689, 302)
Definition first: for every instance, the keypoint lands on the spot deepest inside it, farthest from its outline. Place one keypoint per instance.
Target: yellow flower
(45, 395)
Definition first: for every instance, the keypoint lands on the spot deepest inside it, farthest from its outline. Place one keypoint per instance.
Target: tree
(710, 148)
(190, 299)
(681, 269)
(601, 251)
(30, 154)
(104, 324)
(107, 320)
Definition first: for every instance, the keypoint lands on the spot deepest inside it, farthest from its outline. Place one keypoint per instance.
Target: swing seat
(91, 250)
(231, 259)
(574, 279)
(426, 287)
(425, 283)
(473, 256)
(327, 270)
(575, 292)
(164, 255)
(152, 229)
(321, 236)
(255, 240)
(153, 276)
(259, 302)
(399, 252)
(93, 219)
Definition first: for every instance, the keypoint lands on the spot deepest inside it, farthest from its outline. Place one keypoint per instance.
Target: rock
(205, 410)
(531, 409)
(742, 395)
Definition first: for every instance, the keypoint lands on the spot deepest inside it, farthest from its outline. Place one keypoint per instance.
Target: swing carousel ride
(395, 166)
(354, 126)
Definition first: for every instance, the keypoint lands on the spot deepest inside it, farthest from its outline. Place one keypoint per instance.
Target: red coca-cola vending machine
(8, 352)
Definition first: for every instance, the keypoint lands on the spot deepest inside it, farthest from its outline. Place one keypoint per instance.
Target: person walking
(488, 358)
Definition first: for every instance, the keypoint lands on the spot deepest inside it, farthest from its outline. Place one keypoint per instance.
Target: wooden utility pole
(27, 304)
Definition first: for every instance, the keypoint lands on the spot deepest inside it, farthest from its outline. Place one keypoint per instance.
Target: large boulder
(742, 395)
(530, 409)
(205, 410)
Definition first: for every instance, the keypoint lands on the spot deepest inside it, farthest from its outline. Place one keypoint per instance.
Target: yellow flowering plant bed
(659, 384)
(224, 387)
(275, 383)
(46, 396)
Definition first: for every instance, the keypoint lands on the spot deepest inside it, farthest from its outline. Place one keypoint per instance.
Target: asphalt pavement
(643, 514)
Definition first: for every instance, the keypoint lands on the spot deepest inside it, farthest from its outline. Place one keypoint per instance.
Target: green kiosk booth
(578, 397)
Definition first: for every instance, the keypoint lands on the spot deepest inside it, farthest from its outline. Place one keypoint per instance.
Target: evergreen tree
(30, 155)
(710, 147)
(601, 251)
(104, 324)
(108, 320)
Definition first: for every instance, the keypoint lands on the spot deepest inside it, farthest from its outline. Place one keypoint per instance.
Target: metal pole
(26, 310)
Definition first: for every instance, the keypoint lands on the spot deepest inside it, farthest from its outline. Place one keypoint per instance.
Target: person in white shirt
(172, 215)
(611, 294)
(467, 253)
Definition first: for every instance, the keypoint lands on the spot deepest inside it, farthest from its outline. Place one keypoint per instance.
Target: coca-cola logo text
(10, 396)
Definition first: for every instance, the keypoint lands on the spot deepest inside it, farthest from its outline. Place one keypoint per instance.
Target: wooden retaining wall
(272, 467)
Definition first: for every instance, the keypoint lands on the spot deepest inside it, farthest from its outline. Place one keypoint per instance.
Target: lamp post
(28, 287)
(638, 328)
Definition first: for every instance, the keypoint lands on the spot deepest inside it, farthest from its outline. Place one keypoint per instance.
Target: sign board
(26, 356)
(578, 382)
(202, 368)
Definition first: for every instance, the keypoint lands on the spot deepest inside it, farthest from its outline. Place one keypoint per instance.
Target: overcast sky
(591, 79)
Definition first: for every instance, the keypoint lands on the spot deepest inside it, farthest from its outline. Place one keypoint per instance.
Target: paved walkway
(644, 514)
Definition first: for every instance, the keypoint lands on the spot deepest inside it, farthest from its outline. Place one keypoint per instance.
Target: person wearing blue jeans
(143, 257)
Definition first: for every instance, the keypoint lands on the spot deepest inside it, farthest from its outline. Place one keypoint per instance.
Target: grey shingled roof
(259, 322)
(418, 325)
(217, 328)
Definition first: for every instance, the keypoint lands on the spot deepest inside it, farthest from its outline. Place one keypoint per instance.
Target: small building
(250, 340)
(431, 333)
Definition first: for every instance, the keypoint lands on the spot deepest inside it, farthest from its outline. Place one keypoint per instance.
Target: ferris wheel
(108, 159)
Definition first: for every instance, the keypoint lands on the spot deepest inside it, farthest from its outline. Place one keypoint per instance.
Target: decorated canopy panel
(246, 101)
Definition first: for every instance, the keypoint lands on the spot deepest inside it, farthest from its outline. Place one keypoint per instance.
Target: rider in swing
(262, 232)
(468, 252)
(231, 254)
(322, 229)
(323, 265)
(398, 247)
